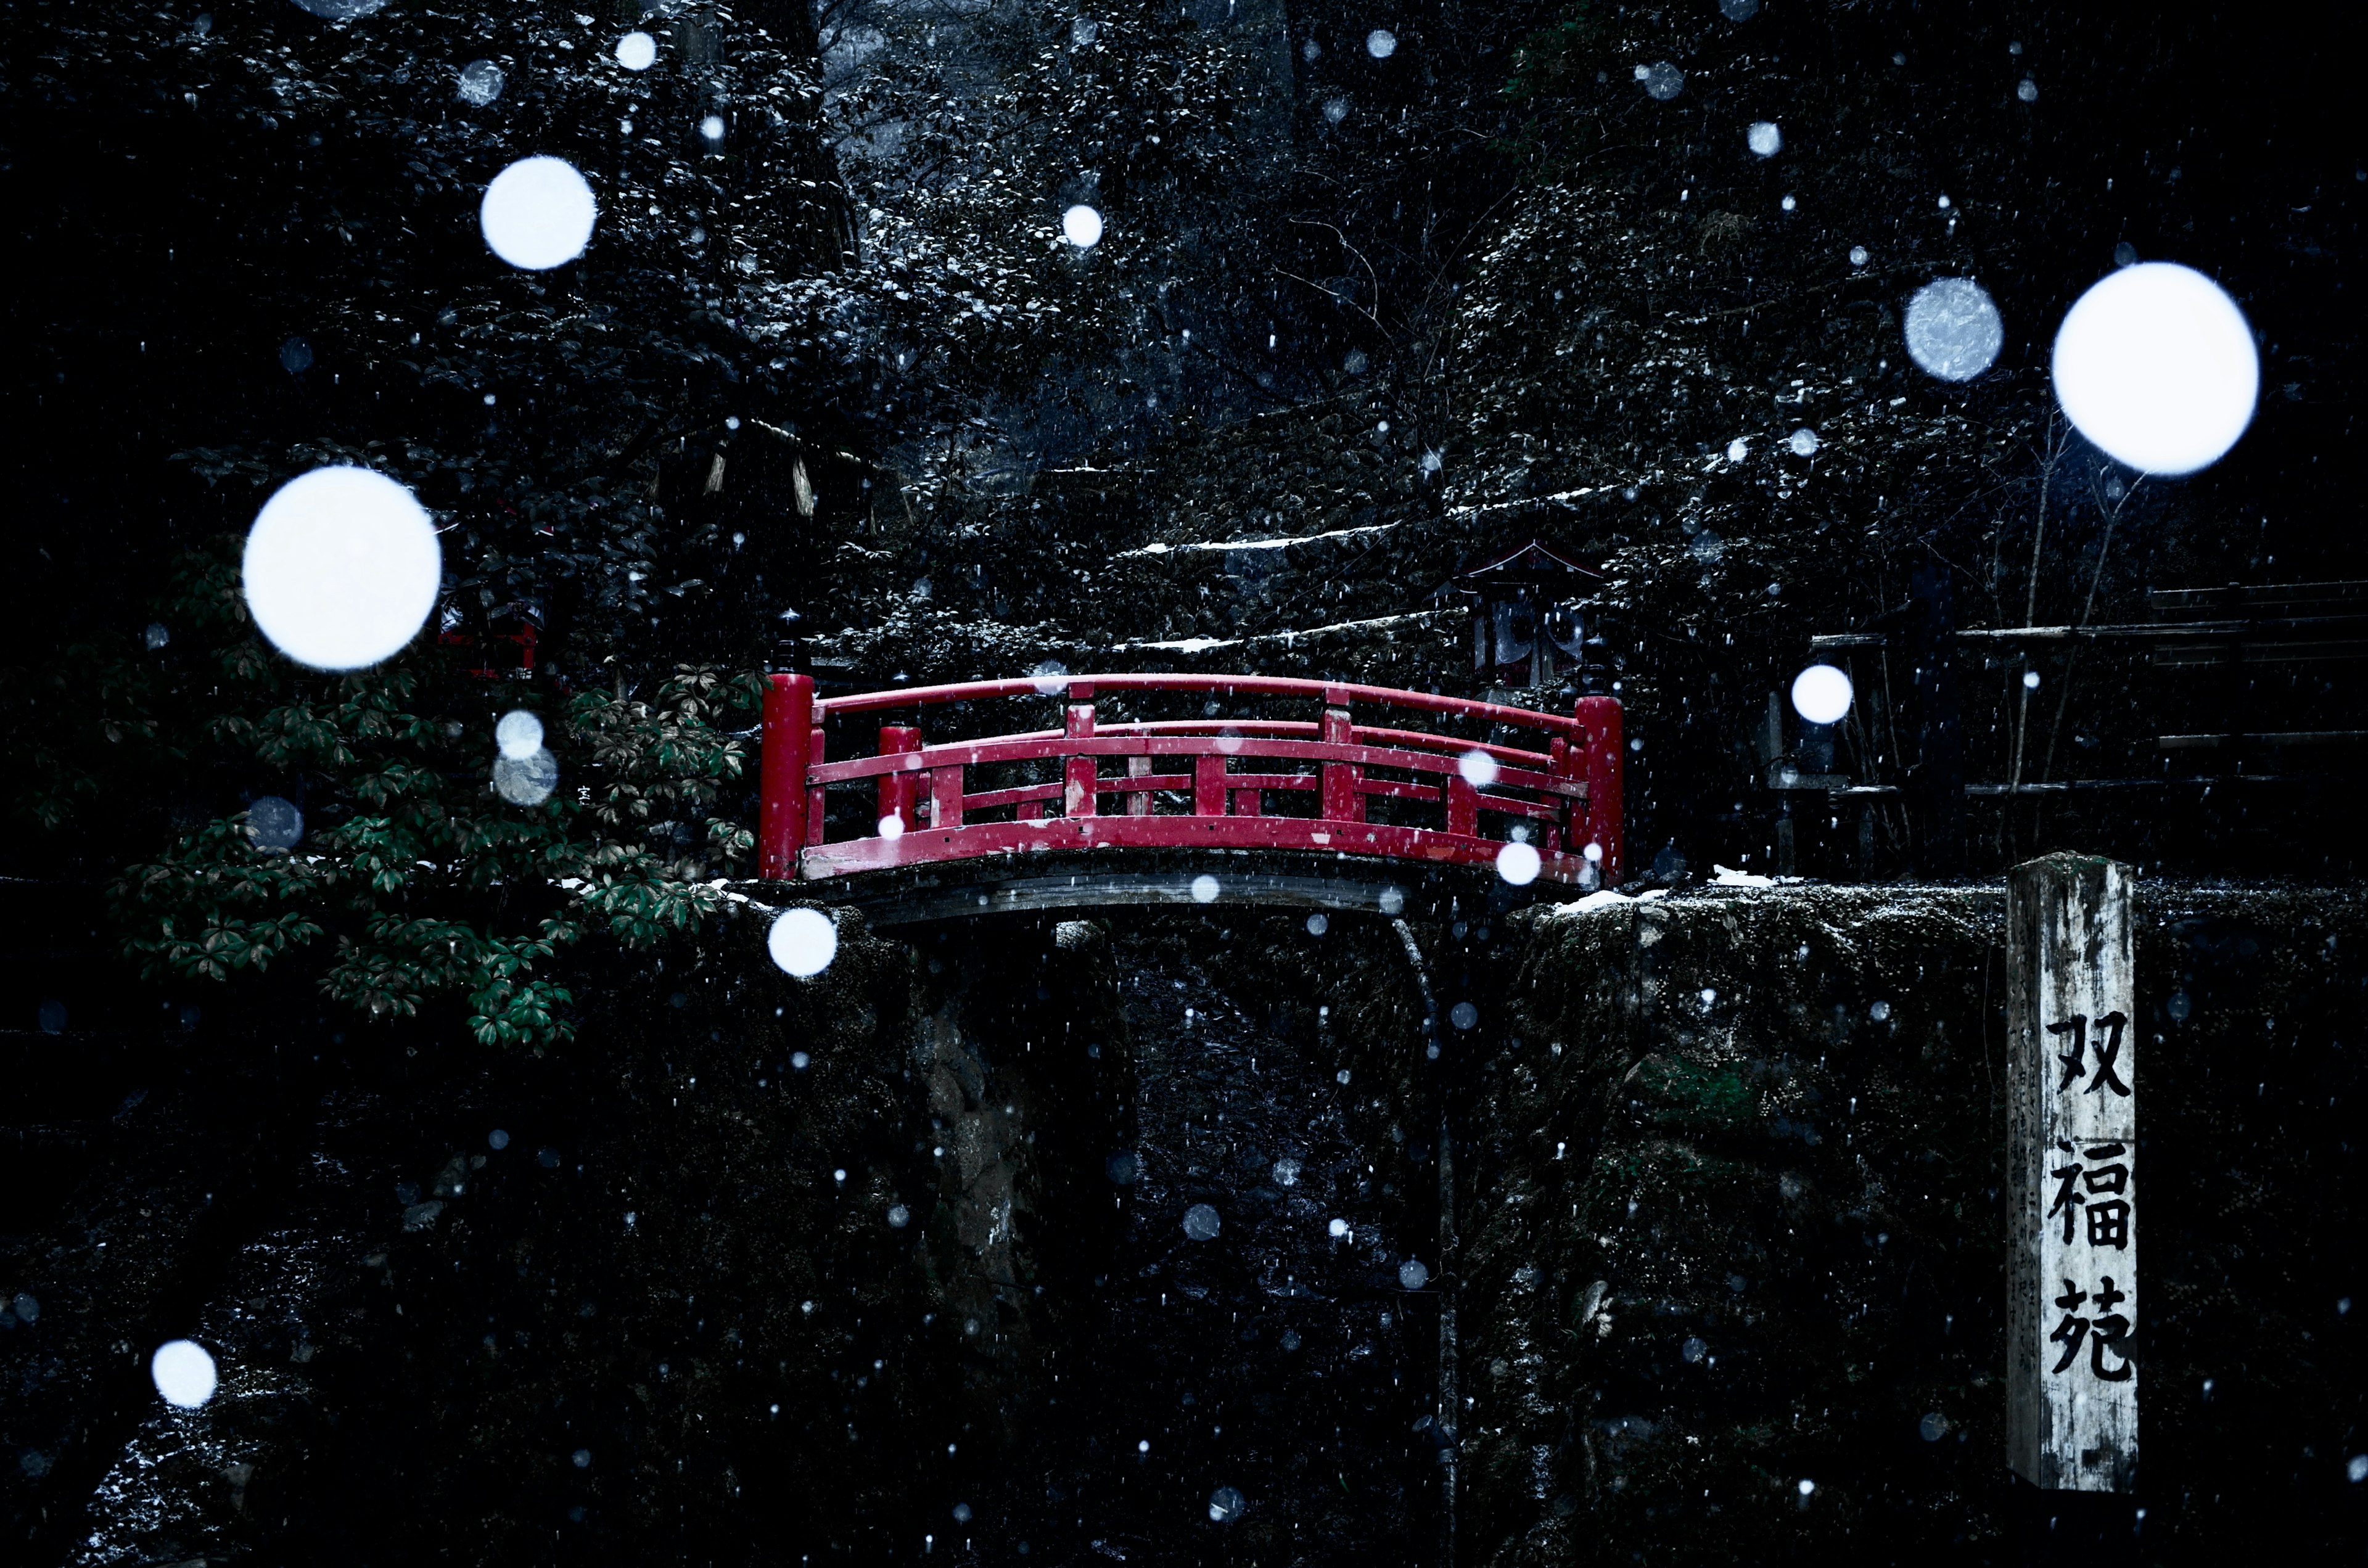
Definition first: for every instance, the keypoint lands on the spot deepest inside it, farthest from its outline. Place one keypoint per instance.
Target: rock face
(918, 1249)
(1733, 1286)
(740, 1265)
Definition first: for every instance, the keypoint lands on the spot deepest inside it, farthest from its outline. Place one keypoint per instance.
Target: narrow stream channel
(1248, 1384)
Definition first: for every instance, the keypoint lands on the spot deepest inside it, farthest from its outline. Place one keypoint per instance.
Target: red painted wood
(975, 753)
(1343, 802)
(1601, 761)
(1081, 688)
(896, 789)
(1081, 796)
(782, 770)
(1209, 786)
(978, 840)
(1573, 786)
(946, 799)
(816, 753)
(1463, 807)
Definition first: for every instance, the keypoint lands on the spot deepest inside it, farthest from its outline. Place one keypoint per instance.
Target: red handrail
(1564, 801)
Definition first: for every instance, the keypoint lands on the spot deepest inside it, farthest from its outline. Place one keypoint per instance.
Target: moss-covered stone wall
(1733, 1281)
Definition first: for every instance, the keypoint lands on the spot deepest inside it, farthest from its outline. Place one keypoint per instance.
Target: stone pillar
(2072, 1415)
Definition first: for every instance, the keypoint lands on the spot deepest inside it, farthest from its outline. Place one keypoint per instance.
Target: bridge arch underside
(1058, 879)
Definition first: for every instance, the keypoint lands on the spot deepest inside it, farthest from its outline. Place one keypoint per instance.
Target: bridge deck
(1330, 786)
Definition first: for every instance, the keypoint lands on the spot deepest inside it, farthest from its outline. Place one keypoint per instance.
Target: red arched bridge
(1344, 787)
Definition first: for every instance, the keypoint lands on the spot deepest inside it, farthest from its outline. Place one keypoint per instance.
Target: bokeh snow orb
(537, 213)
(1738, 450)
(1858, 255)
(712, 128)
(1082, 227)
(184, 1373)
(1518, 864)
(1821, 694)
(1084, 31)
(1319, 923)
(892, 827)
(2157, 366)
(1225, 1505)
(1336, 110)
(1804, 442)
(497, 1140)
(1122, 1168)
(1380, 43)
(518, 734)
(2027, 90)
(637, 51)
(274, 823)
(1286, 1172)
(899, 1216)
(802, 942)
(1463, 1016)
(480, 82)
(156, 636)
(1413, 1274)
(526, 780)
(1479, 769)
(1200, 1222)
(1662, 80)
(295, 356)
(1953, 330)
(341, 568)
(1204, 889)
(1764, 138)
(1336, 1229)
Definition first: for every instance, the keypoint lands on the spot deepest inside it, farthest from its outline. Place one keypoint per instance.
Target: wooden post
(1601, 760)
(896, 789)
(782, 761)
(1081, 788)
(1341, 800)
(2072, 1305)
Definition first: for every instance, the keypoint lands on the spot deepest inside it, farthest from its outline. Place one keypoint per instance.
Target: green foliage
(429, 887)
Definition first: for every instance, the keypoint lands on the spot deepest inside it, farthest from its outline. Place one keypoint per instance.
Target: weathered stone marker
(2072, 1391)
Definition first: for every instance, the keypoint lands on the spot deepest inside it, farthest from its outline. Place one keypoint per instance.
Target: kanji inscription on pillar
(2072, 1397)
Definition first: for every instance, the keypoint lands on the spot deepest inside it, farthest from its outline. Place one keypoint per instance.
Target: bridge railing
(1329, 784)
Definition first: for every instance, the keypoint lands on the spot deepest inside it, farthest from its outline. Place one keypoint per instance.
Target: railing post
(787, 728)
(1208, 786)
(817, 750)
(1601, 757)
(946, 796)
(1462, 806)
(896, 789)
(1557, 834)
(1081, 775)
(1343, 802)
